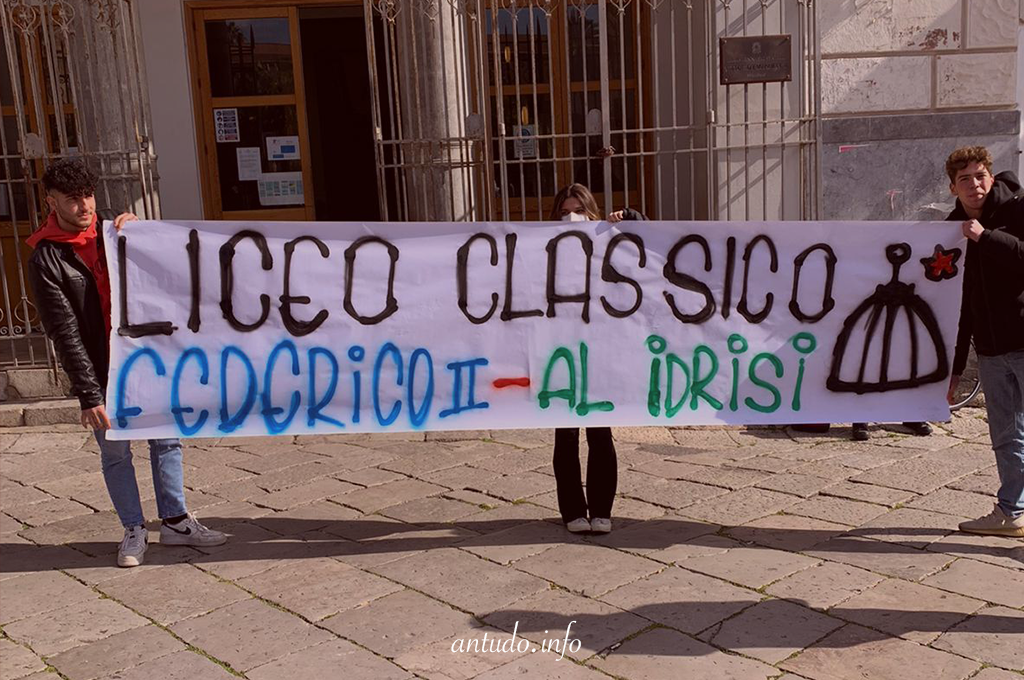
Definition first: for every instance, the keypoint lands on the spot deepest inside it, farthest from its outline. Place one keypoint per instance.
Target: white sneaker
(132, 550)
(996, 523)
(601, 525)
(190, 532)
(578, 525)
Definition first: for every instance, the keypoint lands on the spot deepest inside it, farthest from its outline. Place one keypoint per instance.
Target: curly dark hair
(964, 156)
(70, 177)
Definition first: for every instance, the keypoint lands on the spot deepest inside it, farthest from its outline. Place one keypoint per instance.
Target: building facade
(364, 110)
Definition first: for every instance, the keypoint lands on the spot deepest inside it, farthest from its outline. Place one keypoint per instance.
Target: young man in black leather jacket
(68, 275)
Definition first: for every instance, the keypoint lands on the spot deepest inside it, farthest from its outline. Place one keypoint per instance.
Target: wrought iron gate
(485, 108)
(72, 83)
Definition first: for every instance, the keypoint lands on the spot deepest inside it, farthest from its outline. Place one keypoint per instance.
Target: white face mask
(575, 217)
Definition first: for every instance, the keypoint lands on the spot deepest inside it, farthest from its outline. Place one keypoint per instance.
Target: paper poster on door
(281, 188)
(249, 166)
(225, 122)
(283, 148)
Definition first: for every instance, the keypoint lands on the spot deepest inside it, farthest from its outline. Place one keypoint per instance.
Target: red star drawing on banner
(942, 264)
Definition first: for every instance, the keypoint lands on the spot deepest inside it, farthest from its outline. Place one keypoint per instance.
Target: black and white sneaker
(189, 531)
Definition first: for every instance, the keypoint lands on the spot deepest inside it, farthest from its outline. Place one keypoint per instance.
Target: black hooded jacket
(993, 305)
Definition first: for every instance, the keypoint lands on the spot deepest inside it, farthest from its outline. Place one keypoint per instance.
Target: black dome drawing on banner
(888, 301)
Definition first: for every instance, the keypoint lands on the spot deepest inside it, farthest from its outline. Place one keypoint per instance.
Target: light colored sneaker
(601, 525)
(190, 532)
(996, 523)
(132, 550)
(578, 525)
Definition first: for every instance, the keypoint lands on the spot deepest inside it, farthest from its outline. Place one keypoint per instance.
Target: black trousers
(602, 473)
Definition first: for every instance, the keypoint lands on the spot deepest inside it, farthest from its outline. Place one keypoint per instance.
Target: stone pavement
(737, 553)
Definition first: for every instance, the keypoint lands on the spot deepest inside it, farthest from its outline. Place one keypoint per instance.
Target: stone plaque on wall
(755, 59)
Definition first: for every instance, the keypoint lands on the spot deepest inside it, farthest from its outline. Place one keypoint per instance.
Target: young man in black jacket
(991, 212)
(71, 286)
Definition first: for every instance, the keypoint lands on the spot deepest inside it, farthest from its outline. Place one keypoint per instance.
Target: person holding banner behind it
(71, 285)
(575, 203)
(991, 215)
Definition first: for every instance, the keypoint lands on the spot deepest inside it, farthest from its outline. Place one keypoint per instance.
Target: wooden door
(250, 114)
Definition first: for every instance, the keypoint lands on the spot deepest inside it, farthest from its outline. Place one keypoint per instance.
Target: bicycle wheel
(970, 383)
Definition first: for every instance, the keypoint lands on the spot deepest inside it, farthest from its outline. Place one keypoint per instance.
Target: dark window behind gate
(485, 108)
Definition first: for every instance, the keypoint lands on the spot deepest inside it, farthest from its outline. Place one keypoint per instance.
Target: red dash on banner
(511, 382)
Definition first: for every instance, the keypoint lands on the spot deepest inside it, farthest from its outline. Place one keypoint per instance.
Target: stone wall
(904, 82)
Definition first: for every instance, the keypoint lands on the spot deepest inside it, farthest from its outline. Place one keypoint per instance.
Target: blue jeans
(119, 474)
(1002, 378)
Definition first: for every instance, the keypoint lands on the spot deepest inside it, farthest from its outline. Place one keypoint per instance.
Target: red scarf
(85, 245)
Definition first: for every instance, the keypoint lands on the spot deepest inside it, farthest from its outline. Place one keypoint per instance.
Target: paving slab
(908, 610)
(664, 492)
(383, 626)
(985, 482)
(682, 599)
(995, 674)
(992, 635)
(786, 532)
(327, 660)
(373, 552)
(773, 630)
(920, 475)
(741, 506)
(547, 666)
(17, 662)
(954, 502)
(750, 567)
(250, 550)
(119, 652)
(837, 510)
(884, 558)
(49, 511)
(908, 526)
(654, 536)
(318, 587)
(824, 585)
(172, 593)
(442, 573)
(38, 593)
(375, 498)
(184, 665)
(519, 485)
(370, 476)
(430, 510)
(605, 570)
(869, 493)
(983, 581)
(248, 634)
(77, 624)
(998, 550)
(552, 615)
(701, 546)
(663, 653)
(857, 653)
(295, 521)
(465, 655)
(795, 483)
(518, 542)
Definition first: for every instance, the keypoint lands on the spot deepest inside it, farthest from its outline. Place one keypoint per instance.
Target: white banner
(227, 328)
